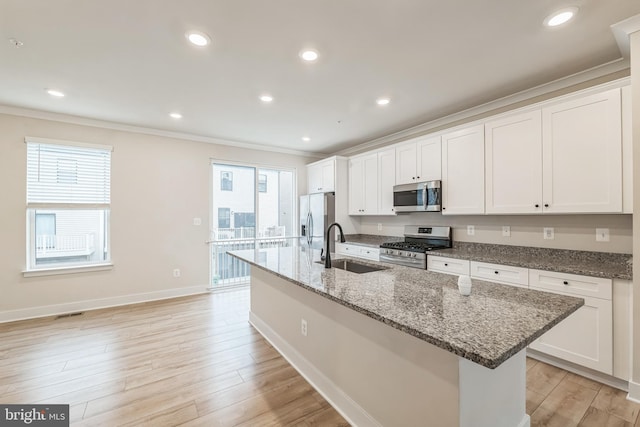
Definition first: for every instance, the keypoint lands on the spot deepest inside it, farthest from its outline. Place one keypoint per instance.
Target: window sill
(67, 270)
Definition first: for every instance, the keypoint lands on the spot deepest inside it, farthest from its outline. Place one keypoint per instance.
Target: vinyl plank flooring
(197, 361)
(613, 401)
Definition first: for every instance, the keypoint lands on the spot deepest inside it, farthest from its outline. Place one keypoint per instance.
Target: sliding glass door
(251, 207)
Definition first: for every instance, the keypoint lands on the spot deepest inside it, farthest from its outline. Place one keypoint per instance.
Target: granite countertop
(488, 327)
(370, 239)
(595, 264)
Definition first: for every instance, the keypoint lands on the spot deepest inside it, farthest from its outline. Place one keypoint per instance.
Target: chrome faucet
(327, 258)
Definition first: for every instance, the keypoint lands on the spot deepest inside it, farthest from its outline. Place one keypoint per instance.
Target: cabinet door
(513, 164)
(314, 178)
(582, 146)
(386, 181)
(406, 164)
(627, 152)
(356, 195)
(585, 337)
(463, 171)
(370, 184)
(328, 176)
(429, 155)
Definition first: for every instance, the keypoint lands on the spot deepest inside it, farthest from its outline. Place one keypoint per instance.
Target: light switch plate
(506, 231)
(471, 230)
(602, 234)
(548, 233)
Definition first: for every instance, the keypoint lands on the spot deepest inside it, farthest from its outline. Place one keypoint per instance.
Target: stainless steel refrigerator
(317, 212)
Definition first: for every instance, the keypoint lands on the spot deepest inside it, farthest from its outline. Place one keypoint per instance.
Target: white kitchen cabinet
(448, 265)
(582, 148)
(386, 180)
(508, 275)
(622, 332)
(321, 176)
(513, 164)
(363, 185)
(586, 336)
(358, 251)
(463, 171)
(627, 152)
(419, 160)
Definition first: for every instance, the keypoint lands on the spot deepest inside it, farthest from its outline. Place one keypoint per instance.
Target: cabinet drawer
(448, 265)
(508, 275)
(370, 253)
(570, 284)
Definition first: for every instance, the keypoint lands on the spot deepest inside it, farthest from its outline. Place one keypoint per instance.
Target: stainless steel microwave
(418, 197)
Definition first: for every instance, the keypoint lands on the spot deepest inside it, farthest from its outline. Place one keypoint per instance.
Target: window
(224, 218)
(68, 204)
(226, 181)
(262, 183)
(244, 219)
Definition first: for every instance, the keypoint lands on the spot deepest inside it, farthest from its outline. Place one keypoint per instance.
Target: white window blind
(68, 175)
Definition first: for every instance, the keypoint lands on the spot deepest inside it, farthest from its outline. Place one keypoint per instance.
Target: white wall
(571, 231)
(158, 186)
(634, 388)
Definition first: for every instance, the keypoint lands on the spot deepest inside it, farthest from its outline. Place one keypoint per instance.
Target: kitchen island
(401, 346)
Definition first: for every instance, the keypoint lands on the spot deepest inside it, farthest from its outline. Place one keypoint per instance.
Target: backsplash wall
(576, 232)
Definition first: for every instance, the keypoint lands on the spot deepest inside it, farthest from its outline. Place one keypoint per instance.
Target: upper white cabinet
(513, 164)
(463, 171)
(419, 160)
(582, 149)
(386, 180)
(627, 152)
(363, 185)
(371, 181)
(321, 176)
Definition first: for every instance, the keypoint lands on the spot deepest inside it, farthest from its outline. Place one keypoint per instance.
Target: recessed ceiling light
(383, 101)
(309, 55)
(198, 38)
(55, 93)
(266, 98)
(175, 115)
(306, 139)
(560, 17)
(15, 43)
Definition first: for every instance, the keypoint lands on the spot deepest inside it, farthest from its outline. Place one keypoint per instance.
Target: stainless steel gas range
(418, 240)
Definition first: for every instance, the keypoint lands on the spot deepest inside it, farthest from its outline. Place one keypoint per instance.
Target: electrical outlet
(176, 272)
(303, 327)
(548, 233)
(602, 234)
(506, 231)
(379, 227)
(471, 230)
(197, 221)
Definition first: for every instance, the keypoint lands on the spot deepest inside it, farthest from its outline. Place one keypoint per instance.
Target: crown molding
(84, 121)
(468, 114)
(622, 30)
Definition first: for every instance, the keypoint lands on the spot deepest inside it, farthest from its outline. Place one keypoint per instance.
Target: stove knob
(414, 255)
(400, 253)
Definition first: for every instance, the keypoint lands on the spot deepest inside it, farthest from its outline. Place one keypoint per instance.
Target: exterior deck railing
(227, 271)
(58, 246)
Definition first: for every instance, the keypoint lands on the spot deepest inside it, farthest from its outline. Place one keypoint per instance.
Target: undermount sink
(352, 266)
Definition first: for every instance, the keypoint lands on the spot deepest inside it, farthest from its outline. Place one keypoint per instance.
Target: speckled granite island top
(487, 327)
(595, 264)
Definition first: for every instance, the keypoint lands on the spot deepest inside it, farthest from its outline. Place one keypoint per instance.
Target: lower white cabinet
(516, 276)
(446, 265)
(586, 336)
(358, 251)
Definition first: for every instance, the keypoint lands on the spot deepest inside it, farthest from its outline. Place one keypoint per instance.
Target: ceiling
(129, 62)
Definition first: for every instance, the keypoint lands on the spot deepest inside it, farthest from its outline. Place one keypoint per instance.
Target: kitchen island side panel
(396, 378)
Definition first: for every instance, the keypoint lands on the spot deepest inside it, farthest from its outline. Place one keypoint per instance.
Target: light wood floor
(196, 361)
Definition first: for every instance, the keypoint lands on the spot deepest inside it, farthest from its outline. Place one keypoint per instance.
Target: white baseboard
(634, 392)
(72, 307)
(349, 409)
(526, 421)
(580, 370)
